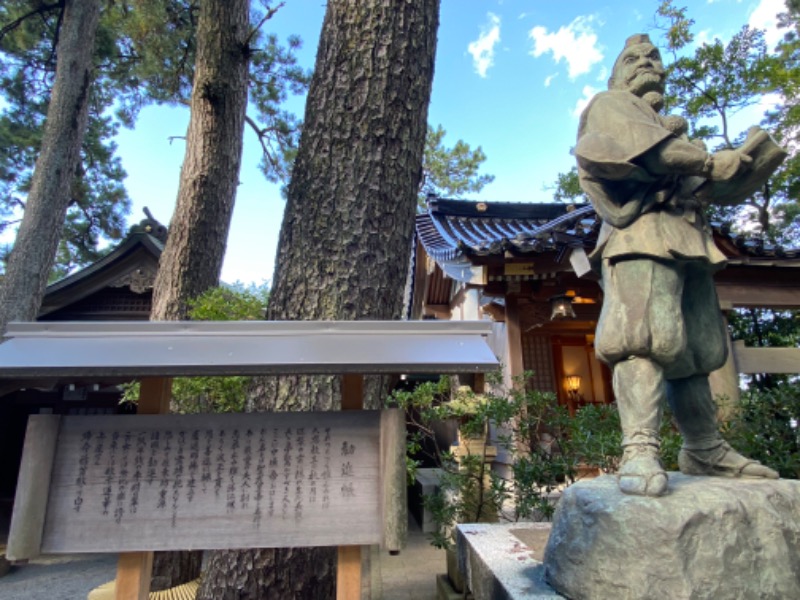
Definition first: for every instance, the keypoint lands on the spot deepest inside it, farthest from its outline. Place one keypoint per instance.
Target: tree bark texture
(193, 254)
(192, 258)
(31, 259)
(345, 242)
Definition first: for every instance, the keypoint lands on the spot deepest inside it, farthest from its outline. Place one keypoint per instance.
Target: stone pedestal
(425, 484)
(503, 562)
(707, 538)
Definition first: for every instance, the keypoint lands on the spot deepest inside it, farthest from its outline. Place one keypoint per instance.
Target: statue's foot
(641, 473)
(722, 461)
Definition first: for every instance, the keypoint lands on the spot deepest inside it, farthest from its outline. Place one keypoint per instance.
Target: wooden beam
(440, 311)
(725, 382)
(33, 487)
(134, 569)
(422, 279)
(766, 360)
(479, 383)
(394, 474)
(348, 567)
(348, 573)
(154, 396)
(759, 296)
(352, 392)
(514, 332)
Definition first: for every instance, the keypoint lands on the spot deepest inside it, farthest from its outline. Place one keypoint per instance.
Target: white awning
(63, 350)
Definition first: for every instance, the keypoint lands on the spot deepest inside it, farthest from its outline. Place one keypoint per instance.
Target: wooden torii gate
(135, 484)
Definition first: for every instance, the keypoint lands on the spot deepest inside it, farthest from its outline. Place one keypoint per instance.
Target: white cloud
(576, 44)
(549, 79)
(704, 36)
(588, 93)
(482, 49)
(763, 17)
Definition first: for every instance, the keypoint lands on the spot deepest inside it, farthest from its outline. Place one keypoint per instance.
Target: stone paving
(411, 575)
(63, 577)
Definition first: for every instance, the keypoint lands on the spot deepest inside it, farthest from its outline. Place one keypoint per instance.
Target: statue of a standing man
(660, 329)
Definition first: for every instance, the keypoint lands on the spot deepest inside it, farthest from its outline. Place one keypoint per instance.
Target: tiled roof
(134, 239)
(754, 246)
(455, 231)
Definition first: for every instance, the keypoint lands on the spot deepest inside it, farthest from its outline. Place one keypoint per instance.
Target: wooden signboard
(181, 482)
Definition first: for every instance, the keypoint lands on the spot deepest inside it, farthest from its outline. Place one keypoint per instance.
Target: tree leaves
(144, 54)
(450, 172)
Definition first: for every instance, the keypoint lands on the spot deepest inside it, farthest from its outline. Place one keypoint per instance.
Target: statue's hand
(725, 164)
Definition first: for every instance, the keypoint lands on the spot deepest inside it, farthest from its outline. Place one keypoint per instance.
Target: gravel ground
(68, 577)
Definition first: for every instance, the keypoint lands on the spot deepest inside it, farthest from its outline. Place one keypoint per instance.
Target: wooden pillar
(154, 396)
(134, 569)
(352, 392)
(514, 333)
(725, 381)
(348, 573)
(348, 568)
(479, 383)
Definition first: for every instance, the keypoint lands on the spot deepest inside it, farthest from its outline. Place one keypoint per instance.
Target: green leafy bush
(547, 449)
(765, 428)
(214, 394)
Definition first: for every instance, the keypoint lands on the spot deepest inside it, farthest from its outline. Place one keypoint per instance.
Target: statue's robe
(655, 249)
(643, 214)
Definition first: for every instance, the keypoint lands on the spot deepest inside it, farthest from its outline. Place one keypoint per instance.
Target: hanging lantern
(561, 308)
(573, 383)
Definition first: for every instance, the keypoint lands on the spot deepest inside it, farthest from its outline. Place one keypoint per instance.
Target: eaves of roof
(153, 245)
(456, 231)
(459, 232)
(131, 254)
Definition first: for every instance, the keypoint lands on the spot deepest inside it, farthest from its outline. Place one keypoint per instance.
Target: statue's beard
(644, 82)
(655, 100)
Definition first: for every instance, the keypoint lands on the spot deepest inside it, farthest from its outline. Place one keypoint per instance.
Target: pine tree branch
(270, 13)
(39, 10)
(260, 134)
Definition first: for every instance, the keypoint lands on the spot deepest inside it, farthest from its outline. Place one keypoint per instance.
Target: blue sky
(511, 76)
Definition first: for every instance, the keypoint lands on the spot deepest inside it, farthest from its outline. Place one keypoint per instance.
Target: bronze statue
(660, 329)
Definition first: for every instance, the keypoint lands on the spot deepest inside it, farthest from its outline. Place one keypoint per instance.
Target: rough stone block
(503, 562)
(446, 591)
(707, 538)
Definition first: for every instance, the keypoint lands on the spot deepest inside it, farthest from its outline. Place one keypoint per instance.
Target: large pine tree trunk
(192, 257)
(346, 236)
(31, 259)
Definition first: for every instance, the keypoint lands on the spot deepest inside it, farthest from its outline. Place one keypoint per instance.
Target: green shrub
(549, 449)
(214, 394)
(765, 428)
(546, 446)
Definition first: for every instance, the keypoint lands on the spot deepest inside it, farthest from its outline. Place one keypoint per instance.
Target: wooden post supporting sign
(348, 568)
(135, 569)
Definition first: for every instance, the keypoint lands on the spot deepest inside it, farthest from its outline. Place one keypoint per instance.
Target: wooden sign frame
(154, 352)
(130, 483)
